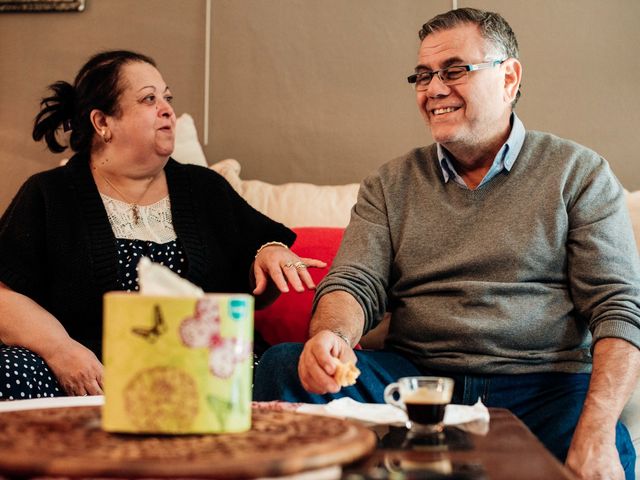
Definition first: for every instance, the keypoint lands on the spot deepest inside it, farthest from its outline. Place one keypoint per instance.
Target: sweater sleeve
(604, 269)
(22, 241)
(363, 263)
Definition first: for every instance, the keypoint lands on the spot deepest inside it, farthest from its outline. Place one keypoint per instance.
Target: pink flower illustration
(203, 330)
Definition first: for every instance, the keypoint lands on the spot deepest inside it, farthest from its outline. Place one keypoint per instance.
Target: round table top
(70, 442)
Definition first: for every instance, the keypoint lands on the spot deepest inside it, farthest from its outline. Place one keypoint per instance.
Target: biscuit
(346, 373)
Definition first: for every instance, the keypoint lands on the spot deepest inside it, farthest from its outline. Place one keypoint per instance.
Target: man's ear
(512, 78)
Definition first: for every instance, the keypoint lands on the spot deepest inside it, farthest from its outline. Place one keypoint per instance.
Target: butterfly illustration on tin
(158, 328)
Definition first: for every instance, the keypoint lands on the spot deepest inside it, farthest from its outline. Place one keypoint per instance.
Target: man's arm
(337, 315)
(616, 368)
(353, 295)
(339, 312)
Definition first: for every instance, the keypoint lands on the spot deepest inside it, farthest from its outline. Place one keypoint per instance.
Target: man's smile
(443, 110)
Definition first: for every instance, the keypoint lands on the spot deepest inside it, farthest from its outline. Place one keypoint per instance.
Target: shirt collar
(504, 160)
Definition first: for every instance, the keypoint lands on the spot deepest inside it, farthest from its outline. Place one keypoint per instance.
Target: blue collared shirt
(504, 160)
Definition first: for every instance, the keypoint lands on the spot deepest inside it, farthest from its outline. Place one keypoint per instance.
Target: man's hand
(316, 368)
(77, 369)
(593, 455)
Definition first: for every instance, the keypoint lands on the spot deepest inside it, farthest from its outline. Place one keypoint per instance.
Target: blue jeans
(548, 403)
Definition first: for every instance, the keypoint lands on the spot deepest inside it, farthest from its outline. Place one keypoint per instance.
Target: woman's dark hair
(96, 86)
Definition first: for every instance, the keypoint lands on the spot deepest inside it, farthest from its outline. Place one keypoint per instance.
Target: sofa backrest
(294, 204)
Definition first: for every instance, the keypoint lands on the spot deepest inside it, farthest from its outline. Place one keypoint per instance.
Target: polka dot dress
(24, 375)
(169, 254)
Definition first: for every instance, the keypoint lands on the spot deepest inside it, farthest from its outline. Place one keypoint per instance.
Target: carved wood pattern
(70, 442)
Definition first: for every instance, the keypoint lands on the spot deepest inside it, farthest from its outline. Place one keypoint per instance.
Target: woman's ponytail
(56, 111)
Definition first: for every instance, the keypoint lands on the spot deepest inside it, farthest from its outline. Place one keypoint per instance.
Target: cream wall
(315, 91)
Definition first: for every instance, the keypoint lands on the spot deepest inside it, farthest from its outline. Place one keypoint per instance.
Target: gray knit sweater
(517, 276)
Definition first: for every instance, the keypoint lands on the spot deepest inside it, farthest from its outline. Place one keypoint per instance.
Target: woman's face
(144, 128)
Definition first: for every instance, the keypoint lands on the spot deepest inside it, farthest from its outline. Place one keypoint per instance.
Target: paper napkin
(471, 418)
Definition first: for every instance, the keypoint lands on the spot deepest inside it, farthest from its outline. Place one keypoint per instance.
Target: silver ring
(288, 265)
(300, 265)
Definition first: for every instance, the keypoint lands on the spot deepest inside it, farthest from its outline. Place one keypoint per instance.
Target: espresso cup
(424, 399)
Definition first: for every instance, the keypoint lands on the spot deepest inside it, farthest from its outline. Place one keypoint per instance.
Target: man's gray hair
(493, 28)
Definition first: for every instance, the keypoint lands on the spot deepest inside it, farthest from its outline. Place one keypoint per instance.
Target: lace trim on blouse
(155, 223)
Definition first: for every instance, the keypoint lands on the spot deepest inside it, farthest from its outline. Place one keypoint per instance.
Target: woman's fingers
(291, 271)
(313, 262)
(284, 267)
(261, 279)
(305, 276)
(93, 388)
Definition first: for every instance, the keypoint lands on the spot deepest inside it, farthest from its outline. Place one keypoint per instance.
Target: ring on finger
(288, 265)
(300, 265)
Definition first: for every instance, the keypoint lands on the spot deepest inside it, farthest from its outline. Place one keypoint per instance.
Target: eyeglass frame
(471, 67)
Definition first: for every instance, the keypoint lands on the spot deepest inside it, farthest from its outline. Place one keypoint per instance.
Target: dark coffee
(425, 413)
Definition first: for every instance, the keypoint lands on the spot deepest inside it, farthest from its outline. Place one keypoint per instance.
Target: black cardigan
(57, 246)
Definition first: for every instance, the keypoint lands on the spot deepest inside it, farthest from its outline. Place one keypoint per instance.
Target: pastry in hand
(346, 373)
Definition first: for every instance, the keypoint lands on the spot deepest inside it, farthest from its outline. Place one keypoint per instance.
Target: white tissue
(156, 279)
(471, 418)
(345, 407)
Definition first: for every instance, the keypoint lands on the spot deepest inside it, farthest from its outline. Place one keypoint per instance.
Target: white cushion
(187, 148)
(294, 204)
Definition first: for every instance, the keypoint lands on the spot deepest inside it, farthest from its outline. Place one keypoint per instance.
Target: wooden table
(69, 442)
(509, 451)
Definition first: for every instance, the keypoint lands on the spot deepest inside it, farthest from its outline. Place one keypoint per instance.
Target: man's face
(473, 113)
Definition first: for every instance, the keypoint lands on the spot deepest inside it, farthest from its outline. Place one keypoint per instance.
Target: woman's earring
(105, 138)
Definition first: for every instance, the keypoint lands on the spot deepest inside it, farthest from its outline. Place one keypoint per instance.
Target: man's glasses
(449, 76)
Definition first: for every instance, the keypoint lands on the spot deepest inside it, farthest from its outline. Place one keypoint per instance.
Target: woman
(75, 232)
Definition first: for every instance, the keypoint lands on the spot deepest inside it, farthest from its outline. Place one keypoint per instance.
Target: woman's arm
(26, 324)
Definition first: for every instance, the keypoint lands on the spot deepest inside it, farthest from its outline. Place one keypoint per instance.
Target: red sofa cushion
(287, 319)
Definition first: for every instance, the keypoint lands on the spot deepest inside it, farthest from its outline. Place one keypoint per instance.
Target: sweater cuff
(617, 328)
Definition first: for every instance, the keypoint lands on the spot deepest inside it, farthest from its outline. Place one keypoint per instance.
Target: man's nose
(437, 88)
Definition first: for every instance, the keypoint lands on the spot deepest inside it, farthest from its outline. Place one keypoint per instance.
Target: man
(505, 256)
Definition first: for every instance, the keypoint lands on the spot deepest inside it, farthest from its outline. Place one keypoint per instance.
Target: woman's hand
(284, 268)
(26, 324)
(77, 369)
